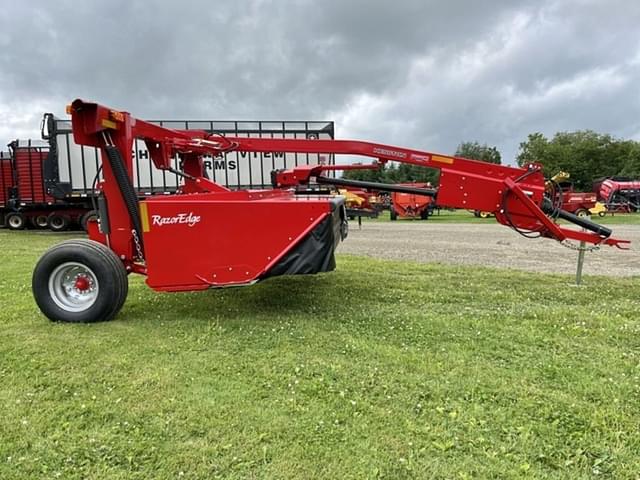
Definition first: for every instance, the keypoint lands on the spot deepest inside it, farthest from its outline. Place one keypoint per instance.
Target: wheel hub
(82, 283)
(73, 287)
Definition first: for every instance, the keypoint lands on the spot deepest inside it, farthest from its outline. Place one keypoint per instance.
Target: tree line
(586, 155)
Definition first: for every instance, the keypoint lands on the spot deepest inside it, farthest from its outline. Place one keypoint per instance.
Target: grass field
(378, 370)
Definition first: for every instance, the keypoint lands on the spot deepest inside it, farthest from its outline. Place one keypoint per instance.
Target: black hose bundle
(127, 191)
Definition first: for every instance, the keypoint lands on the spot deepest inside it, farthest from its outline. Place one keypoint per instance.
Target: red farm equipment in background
(360, 203)
(208, 236)
(7, 184)
(412, 205)
(578, 203)
(619, 194)
(27, 201)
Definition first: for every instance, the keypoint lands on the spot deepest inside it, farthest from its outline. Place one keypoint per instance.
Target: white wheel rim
(73, 287)
(15, 221)
(41, 221)
(56, 222)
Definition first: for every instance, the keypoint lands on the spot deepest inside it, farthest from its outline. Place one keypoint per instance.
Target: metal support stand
(581, 251)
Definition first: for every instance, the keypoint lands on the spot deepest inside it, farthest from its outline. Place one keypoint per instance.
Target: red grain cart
(412, 205)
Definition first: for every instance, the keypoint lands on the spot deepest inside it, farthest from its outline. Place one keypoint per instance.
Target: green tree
(476, 151)
(585, 155)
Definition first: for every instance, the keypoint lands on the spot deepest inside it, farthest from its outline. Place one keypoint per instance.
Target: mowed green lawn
(378, 370)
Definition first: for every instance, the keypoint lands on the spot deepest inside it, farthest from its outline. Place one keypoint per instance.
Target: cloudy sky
(420, 73)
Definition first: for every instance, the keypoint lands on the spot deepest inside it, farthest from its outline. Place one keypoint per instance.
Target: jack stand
(581, 251)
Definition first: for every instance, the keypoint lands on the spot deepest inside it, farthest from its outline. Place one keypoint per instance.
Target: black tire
(102, 271)
(393, 215)
(424, 214)
(58, 222)
(581, 212)
(483, 214)
(39, 221)
(88, 217)
(602, 214)
(15, 221)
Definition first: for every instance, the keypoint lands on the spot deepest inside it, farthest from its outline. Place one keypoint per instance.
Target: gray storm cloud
(425, 74)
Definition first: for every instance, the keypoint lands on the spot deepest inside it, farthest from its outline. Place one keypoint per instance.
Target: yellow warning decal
(109, 124)
(441, 159)
(144, 216)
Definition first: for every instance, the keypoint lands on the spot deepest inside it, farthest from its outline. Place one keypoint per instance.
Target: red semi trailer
(208, 236)
(25, 200)
(7, 184)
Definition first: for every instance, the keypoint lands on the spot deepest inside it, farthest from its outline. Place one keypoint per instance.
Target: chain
(136, 240)
(573, 246)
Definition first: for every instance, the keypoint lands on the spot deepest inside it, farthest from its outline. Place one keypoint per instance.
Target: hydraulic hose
(127, 191)
(580, 221)
(383, 187)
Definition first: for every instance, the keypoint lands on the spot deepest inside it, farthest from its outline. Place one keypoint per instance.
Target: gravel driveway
(491, 245)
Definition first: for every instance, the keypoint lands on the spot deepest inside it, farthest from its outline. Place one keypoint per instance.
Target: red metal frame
(234, 218)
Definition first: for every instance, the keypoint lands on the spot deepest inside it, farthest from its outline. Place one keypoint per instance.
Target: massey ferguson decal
(181, 218)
